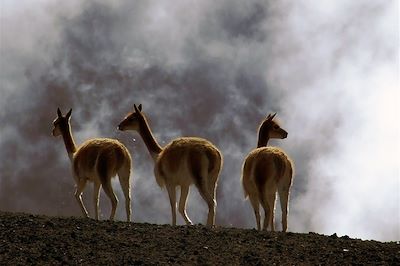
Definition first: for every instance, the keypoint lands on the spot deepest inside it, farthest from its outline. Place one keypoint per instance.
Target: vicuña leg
(213, 193)
(200, 175)
(256, 206)
(124, 177)
(211, 205)
(110, 193)
(271, 204)
(172, 200)
(284, 198)
(212, 185)
(264, 204)
(96, 193)
(78, 195)
(182, 204)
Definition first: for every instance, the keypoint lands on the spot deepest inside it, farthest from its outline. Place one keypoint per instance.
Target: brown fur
(184, 161)
(106, 156)
(266, 171)
(173, 156)
(96, 160)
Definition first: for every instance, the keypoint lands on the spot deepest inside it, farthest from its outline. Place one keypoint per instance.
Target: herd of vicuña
(184, 161)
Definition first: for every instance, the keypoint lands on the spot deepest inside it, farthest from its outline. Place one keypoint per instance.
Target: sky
(214, 70)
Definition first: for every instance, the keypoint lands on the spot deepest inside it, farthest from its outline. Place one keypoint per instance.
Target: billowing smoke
(212, 70)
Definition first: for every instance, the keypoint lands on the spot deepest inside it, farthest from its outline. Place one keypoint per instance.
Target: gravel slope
(29, 239)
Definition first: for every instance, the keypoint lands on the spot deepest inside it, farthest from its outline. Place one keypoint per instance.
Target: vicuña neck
(262, 143)
(69, 142)
(263, 137)
(148, 138)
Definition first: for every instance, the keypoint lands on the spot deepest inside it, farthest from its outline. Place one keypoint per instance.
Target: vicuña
(184, 161)
(96, 160)
(267, 170)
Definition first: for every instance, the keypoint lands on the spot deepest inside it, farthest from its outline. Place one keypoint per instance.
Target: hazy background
(213, 69)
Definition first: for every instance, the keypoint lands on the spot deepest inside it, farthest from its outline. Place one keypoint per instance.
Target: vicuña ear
(270, 117)
(137, 110)
(68, 115)
(59, 112)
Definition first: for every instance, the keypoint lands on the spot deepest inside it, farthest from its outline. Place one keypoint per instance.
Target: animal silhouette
(96, 160)
(184, 161)
(266, 171)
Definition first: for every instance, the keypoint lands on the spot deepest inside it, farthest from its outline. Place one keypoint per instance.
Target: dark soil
(30, 239)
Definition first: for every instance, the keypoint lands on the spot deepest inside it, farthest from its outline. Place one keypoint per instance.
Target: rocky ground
(30, 239)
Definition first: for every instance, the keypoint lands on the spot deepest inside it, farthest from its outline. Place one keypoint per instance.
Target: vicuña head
(96, 160)
(134, 120)
(61, 123)
(266, 171)
(184, 161)
(270, 129)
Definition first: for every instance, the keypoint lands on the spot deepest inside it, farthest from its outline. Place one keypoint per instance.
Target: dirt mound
(30, 239)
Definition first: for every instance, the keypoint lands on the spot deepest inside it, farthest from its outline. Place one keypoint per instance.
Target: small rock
(333, 236)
